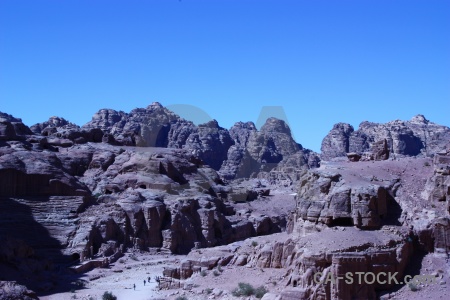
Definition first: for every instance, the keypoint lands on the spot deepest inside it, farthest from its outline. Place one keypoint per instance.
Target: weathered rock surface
(380, 150)
(241, 152)
(438, 186)
(261, 151)
(210, 143)
(144, 127)
(12, 128)
(348, 251)
(337, 141)
(312, 259)
(30, 173)
(337, 198)
(13, 291)
(60, 132)
(411, 138)
(89, 194)
(289, 171)
(51, 125)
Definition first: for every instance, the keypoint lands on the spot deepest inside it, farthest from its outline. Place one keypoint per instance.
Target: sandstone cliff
(417, 136)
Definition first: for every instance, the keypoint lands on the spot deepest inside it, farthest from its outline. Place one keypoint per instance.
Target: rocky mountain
(418, 136)
(52, 125)
(241, 152)
(259, 151)
(243, 203)
(141, 180)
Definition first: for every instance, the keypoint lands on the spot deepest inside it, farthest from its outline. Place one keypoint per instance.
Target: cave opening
(75, 256)
(342, 222)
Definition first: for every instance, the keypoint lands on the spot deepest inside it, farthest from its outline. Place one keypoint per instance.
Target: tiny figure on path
(144, 282)
(134, 286)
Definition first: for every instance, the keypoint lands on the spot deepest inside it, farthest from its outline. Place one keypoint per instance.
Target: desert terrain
(204, 212)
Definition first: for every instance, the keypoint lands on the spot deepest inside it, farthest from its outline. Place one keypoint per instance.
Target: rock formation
(341, 197)
(149, 181)
(438, 186)
(12, 128)
(411, 138)
(337, 142)
(61, 132)
(210, 143)
(261, 151)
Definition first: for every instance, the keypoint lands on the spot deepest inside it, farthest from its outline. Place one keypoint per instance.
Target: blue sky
(323, 62)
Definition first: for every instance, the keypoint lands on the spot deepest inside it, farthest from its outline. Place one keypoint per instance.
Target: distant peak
(155, 105)
(419, 119)
(343, 126)
(210, 124)
(247, 125)
(276, 125)
(4, 117)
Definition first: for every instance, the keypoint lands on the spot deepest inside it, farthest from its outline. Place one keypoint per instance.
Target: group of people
(148, 280)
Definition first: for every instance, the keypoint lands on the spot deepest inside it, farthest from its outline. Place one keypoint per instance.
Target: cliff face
(261, 151)
(438, 186)
(409, 138)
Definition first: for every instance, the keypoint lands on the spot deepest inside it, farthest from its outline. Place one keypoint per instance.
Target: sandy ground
(120, 277)
(133, 269)
(430, 264)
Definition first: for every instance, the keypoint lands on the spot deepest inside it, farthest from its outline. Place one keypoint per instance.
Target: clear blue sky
(322, 61)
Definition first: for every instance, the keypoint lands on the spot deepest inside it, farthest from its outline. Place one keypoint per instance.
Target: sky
(315, 62)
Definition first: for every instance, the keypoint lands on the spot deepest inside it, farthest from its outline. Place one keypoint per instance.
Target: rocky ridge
(417, 136)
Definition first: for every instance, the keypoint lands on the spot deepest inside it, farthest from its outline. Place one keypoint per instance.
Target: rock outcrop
(332, 198)
(337, 141)
(210, 143)
(288, 172)
(60, 132)
(326, 274)
(438, 186)
(408, 138)
(241, 152)
(52, 125)
(29, 173)
(13, 291)
(317, 264)
(144, 127)
(12, 128)
(261, 151)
